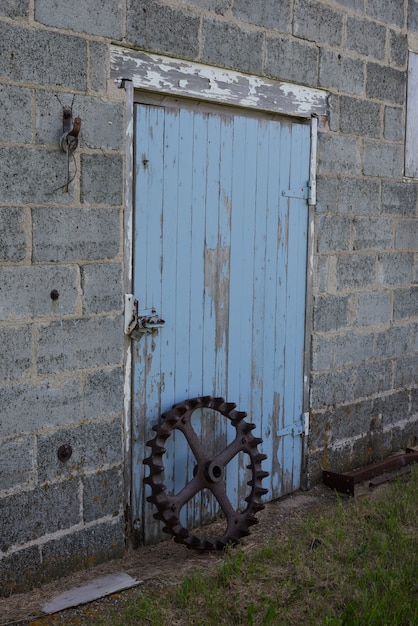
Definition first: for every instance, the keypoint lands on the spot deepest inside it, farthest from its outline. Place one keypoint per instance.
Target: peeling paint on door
(221, 254)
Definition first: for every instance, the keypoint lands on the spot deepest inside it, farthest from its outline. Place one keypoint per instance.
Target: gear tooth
(214, 403)
(256, 441)
(260, 491)
(259, 457)
(261, 474)
(252, 520)
(237, 416)
(226, 408)
(247, 427)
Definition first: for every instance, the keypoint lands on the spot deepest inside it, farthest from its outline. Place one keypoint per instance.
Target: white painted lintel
(156, 73)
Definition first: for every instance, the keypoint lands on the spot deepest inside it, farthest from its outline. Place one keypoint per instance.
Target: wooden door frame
(141, 71)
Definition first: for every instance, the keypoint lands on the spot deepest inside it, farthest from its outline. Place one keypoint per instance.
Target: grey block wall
(61, 377)
(61, 294)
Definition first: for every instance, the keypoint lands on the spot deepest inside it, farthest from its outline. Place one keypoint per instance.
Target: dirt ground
(166, 561)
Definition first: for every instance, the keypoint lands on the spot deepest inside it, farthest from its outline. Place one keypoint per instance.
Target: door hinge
(306, 192)
(300, 427)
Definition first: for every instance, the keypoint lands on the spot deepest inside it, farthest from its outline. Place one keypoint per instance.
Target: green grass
(355, 564)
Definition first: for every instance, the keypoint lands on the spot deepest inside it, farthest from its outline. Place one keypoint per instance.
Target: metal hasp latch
(139, 322)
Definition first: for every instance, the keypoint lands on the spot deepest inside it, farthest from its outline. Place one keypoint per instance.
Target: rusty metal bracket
(344, 483)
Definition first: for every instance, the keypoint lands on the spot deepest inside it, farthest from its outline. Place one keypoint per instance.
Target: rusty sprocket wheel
(209, 474)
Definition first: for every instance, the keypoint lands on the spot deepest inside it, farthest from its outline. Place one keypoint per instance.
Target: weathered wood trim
(411, 135)
(128, 266)
(157, 73)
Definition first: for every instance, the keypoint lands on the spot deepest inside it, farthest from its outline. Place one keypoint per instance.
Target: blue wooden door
(220, 253)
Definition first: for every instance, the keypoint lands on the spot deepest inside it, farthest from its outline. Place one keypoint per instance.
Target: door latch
(139, 322)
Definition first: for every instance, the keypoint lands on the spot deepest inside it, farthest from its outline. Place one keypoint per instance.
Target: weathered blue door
(220, 254)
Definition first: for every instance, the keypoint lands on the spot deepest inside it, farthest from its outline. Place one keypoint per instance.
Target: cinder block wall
(61, 372)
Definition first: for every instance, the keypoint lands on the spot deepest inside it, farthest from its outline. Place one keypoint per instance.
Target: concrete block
(322, 352)
(405, 303)
(75, 234)
(102, 495)
(404, 436)
(102, 287)
(372, 233)
(13, 240)
(348, 195)
(396, 268)
(366, 37)
(352, 348)
(15, 128)
(333, 233)
(393, 341)
(406, 369)
(32, 514)
(356, 5)
(16, 352)
(43, 57)
(338, 155)
(104, 19)
(329, 427)
(98, 53)
(157, 26)
(332, 388)
(330, 313)
(17, 458)
(385, 83)
(85, 548)
(390, 409)
(19, 571)
(103, 394)
(372, 378)
(327, 194)
(78, 344)
(28, 408)
(398, 43)
(101, 179)
(14, 8)
(399, 198)
(320, 24)
(391, 11)
(372, 308)
(359, 196)
(25, 291)
(383, 159)
(407, 234)
(413, 16)
(393, 124)
(29, 175)
(333, 113)
(414, 401)
(264, 13)
(356, 271)
(230, 45)
(360, 117)
(218, 6)
(321, 272)
(94, 445)
(340, 72)
(291, 60)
